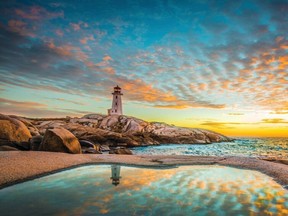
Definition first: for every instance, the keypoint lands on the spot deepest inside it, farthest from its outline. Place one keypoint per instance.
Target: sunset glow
(219, 65)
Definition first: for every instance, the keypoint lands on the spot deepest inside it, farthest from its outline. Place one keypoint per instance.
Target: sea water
(250, 147)
(121, 190)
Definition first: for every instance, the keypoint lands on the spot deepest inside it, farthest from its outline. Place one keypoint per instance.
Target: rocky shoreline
(94, 134)
(19, 166)
(30, 148)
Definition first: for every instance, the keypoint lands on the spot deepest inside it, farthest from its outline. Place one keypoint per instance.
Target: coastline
(17, 167)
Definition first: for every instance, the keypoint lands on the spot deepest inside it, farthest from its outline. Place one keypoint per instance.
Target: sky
(219, 65)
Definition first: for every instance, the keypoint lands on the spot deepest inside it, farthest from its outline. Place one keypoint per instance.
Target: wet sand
(16, 166)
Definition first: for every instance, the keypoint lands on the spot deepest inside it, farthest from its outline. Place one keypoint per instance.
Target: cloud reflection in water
(203, 190)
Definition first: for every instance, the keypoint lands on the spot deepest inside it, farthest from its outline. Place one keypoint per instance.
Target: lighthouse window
(115, 110)
(116, 103)
(116, 96)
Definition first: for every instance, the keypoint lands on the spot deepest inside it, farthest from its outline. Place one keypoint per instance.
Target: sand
(19, 166)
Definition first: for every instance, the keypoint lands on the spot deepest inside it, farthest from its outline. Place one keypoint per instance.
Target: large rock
(89, 144)
(35, 142)
(33, 130)
(104, 148)
(13, 130)
(8, 148)
(60, 140)
(89, 147)
(124, 151)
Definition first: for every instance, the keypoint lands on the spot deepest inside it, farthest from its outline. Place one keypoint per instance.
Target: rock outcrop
(12, 129)
(97, 133)
(60, 140)
(128, 131)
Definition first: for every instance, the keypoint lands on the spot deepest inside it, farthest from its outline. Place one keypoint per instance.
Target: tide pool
(122, 190)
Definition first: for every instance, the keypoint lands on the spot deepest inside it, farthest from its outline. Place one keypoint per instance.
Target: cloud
(69, 101)
(68, 51)
(235, 114)
(160, 99)
(59, 32)
(275, 121)
(221, 125)
(34, 109)
(279, 112)
(16, 25)
(197, 104)
(75, 26)
(177, 61)
(78, 26)
(37, 13)
(22, 104)
(86, 39)
(230, 125)
(40, 65)
(65, 50)
(107, 58)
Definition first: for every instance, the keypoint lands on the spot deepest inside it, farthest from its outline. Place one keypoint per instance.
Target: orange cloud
(68, 51)
(225, 84)
(26, 104)
(146, 92)
(202, 86)
(109, 70)
(160, 99)
(107, 58)
(65, 50)
(104, 62)
(176, 106)
(86, 39)
(184, 105)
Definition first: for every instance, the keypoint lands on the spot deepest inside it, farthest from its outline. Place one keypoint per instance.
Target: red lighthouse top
(117, 88)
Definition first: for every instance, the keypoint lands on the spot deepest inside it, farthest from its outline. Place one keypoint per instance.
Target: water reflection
(115, 174)
(203, 190)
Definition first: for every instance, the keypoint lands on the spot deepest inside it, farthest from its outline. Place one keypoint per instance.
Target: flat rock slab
(20, 166)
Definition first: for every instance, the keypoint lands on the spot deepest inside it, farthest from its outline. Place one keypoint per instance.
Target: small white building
(116, 103)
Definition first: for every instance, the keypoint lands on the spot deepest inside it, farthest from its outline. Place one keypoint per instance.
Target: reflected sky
(203, 190)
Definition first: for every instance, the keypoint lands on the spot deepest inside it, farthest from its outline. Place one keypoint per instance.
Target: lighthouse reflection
(115, 174)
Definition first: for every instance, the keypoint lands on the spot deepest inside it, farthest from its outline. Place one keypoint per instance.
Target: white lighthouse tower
(116, 103)
(115, 174)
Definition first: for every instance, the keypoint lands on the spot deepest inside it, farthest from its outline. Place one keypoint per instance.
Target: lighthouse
(115, 174)
(116, 103)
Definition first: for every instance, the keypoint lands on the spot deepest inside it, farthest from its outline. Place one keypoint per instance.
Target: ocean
(250, 147)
